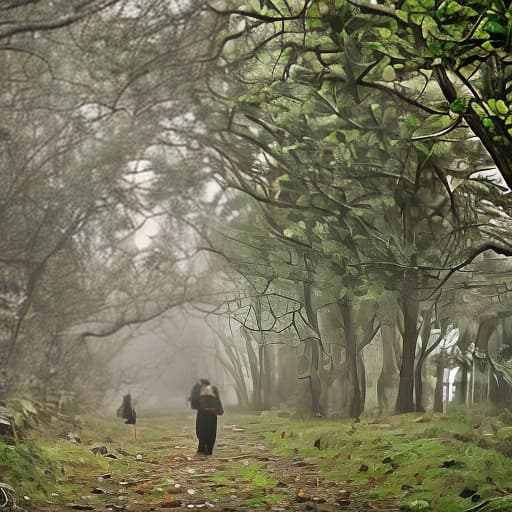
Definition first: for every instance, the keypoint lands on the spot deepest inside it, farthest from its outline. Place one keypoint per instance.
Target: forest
(308, 202)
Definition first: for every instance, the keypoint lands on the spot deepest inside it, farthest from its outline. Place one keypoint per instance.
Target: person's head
(207, 391)
(204, 382)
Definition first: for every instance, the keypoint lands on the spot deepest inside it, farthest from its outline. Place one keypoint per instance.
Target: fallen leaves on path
(172, 476)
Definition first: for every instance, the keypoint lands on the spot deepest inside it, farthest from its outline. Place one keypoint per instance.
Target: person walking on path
(205, 398)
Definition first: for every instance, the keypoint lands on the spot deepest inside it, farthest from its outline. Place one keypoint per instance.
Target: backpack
(126, 411)
(194, 396)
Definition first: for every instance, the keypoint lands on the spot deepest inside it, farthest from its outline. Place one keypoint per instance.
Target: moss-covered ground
(269, 461)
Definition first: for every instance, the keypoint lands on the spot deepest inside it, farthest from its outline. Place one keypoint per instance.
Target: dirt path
(243, 474)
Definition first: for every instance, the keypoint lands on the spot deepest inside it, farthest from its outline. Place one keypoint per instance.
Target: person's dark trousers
(206, 431)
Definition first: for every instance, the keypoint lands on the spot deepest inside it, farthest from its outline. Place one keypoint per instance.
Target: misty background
(301, 201)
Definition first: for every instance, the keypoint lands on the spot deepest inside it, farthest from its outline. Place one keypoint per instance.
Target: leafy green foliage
(343, 178)
(456, 51)
(25, 413)
(29, 470)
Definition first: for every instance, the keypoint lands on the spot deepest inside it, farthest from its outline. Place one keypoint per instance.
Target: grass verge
(414, 459)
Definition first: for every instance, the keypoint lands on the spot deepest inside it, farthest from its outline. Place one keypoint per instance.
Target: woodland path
(242, 474)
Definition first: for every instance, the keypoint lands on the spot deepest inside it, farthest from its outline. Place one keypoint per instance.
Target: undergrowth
(36, 469)
(414, 461)
(29, 470)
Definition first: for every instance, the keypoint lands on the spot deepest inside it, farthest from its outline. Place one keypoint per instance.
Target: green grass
(29, 470)
(401, 462)
(404, 460)
(254, 474)
(268, 499)
(75, 460)
(37, 469)
(254, 479)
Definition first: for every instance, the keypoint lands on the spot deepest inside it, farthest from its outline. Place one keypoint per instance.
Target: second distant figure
(205, 398)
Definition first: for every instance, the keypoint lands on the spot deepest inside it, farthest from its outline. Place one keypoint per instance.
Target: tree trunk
(387, 385)
(255, 372)
(261, 378)
(409, 305)
(286, 374)
(485, 330)
(468, 329)
(314, 379)
(462, 393)
(261, 356)
(241, 399)
(499, 151)
(270, 382)
(6, 377)
(361, 372)
(233, 366)
(355, 408)
(418, 372)
(366, 322)
(480, 384)
(438, 393)
(390, 328)
(4, 372)
(230, 368)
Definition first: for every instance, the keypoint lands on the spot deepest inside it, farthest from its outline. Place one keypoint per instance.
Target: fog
(159, 364)
(189, 193)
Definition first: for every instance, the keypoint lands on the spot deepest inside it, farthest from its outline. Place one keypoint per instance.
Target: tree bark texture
(418, 371)
(387, 385)
(409, 305)
(356, 405)
(255, 374)
(438, 393)
(314, 379)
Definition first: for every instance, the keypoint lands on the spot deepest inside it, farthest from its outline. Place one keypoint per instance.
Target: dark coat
(209, 407)
(210, 404)
(126, 411)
